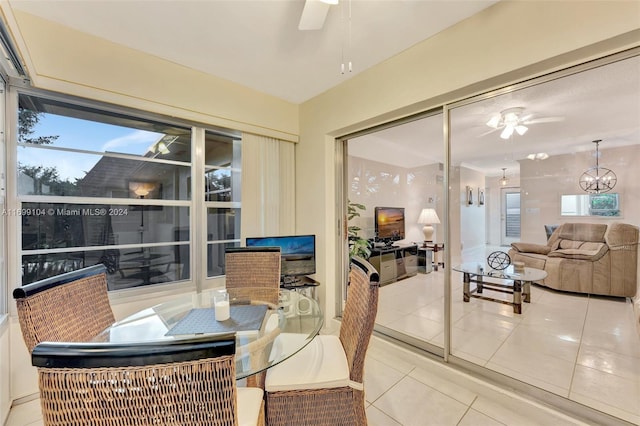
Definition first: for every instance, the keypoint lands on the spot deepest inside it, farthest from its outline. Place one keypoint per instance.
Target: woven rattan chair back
(181, 382)
(71, 307)
(253, 273)
(359, 315)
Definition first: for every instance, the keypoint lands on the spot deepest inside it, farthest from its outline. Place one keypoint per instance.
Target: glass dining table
(265, 334)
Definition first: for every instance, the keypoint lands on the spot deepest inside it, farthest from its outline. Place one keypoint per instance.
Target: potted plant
(358, 246)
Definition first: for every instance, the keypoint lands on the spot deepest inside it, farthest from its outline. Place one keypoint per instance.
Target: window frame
(195, 203)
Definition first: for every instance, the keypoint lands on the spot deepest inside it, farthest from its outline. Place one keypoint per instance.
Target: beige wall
(543, 182)
(468, 55)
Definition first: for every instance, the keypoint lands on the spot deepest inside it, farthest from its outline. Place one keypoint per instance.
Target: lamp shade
(428, 217)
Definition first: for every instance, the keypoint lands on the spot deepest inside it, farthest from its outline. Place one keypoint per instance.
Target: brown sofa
(586, 258)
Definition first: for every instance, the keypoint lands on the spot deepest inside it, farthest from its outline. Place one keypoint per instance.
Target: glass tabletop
(265, 334)
(481, 269)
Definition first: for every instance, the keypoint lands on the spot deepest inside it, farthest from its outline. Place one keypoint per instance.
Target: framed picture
(480, 197)
(469, 195)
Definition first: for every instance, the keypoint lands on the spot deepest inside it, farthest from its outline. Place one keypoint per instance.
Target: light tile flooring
(403, 388)
(584, 348)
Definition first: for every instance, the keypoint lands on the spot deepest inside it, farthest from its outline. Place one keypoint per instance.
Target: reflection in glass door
(393, 175)
(510, 216)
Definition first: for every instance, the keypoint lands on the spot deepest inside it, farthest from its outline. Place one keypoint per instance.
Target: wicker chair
(71, 307)
(322, 384)
(253, 273)
(173, 382)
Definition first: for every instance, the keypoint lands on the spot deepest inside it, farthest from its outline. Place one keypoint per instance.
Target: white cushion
(321, 364)
(249, 403)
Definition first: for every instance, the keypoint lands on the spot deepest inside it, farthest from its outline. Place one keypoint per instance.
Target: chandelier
(596, 180)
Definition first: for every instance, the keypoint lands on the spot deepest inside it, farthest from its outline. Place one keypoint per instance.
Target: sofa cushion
(531, 248)
(583, 231)
(585, 251)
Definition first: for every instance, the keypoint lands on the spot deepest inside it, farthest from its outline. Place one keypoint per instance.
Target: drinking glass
(221, 305)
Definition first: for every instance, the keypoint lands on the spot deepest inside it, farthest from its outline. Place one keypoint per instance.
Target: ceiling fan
(513, 120)
(314, 14)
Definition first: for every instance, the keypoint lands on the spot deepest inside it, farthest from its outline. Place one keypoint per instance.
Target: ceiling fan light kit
(513, 120)
(598, 180)
(510, 120)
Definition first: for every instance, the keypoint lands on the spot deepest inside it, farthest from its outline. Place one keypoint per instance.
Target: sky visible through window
(82, 134)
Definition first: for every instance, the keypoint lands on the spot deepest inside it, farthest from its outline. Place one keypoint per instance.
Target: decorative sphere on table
(499, 260)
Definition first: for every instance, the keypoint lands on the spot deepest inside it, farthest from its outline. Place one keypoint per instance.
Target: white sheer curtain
(268, 186)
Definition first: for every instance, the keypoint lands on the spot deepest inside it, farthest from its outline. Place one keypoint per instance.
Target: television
(389, 224)
(298, 254)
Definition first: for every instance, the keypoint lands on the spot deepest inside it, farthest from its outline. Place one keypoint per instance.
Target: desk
(277, 338)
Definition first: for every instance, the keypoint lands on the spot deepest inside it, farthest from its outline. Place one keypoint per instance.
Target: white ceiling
(602, 103)
(257, 43)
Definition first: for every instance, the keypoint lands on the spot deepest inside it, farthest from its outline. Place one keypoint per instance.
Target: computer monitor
(298, 253)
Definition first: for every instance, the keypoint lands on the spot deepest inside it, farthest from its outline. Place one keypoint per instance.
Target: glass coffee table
(516, 283)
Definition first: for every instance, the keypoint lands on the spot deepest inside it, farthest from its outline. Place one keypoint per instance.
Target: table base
(520, 289)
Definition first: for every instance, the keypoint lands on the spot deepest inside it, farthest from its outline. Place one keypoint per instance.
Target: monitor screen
(389, 223)
(298, 252)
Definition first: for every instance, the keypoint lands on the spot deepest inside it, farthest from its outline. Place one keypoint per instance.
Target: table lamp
(428, 217)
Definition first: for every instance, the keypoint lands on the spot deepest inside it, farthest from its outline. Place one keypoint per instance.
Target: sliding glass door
(576, 328)
(570, 344)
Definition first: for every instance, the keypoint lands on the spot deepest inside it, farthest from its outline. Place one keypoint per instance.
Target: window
(100, 186)
(222, 198)
(590, 205)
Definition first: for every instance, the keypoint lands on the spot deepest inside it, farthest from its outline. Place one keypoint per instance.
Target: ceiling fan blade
(544, 120)
(495, 121)
(507, 132)
(313, 15)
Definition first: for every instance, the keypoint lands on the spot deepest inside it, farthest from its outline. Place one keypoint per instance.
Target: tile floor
(404, 388)
(584, 348)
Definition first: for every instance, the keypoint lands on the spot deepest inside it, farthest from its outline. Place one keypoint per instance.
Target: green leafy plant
(358, 246)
